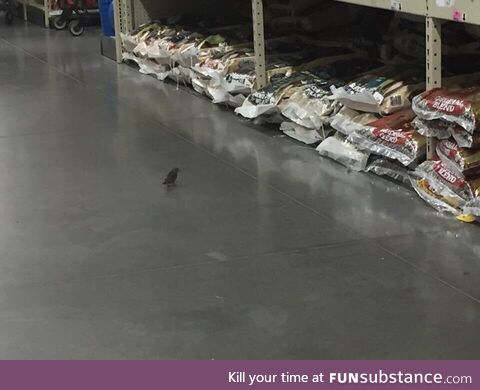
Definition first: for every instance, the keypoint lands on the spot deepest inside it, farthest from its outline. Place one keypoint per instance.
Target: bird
(171, 178)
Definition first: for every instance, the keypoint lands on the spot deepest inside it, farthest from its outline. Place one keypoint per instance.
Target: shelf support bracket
(259, 43)
(434, 66)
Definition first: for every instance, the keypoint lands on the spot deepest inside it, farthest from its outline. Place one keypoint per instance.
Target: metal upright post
(434, 65)
(117, 15)
(25, 16)
(46, 13)
(259, 43)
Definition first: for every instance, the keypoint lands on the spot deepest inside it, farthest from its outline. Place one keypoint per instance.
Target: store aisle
(264, 250)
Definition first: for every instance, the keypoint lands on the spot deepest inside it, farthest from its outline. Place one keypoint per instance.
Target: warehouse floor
(264, 250)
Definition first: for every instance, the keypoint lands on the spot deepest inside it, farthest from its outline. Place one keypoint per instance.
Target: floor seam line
(46, 63)
(38, 133)
(429, 274)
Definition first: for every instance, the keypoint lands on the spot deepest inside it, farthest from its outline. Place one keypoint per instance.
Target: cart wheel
(9, 17)
(59, 23)
(76, 28)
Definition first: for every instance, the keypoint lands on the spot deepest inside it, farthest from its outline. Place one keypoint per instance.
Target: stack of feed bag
(172, 51)
(374, 127)
(231, 78)
(451, 182)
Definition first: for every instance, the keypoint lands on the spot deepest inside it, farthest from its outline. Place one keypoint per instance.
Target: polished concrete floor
(264, 250)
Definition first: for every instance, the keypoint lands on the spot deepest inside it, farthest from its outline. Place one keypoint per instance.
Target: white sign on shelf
(445, 3)
(396, 5)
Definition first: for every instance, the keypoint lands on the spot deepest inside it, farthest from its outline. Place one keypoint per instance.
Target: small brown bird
(171, 178)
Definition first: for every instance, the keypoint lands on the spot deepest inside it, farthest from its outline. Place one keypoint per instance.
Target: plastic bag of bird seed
(346, 121)
(436, 200)
(437, 129)
(441, 130)
(464, 139)
(465, 162)
(186, 53)
(385, 92)
(180, 74)
(239, 75)
(170, 45)
(448, 183)
(220, 96)
(211, 62)
(265, 100)
(151, 45)
(393, 137)
(160, 71)
(237, 86)
(130, 57)
(309, 106)
(128, 42)
(338, 148)
(460, 106)
(305, 135)
(391, 169)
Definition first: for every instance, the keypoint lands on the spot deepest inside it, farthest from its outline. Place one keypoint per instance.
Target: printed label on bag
(448, 176)
(447, 104)
(396, 101)
(392, 136)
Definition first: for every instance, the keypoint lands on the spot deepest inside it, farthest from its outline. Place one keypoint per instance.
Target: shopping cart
(9, 7)
(76, 14)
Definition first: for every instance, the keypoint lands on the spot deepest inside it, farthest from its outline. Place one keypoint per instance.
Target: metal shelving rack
(131, 13)
(435, 12)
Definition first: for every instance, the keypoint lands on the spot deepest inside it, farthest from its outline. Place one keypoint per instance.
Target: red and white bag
(392, 136)
(465, 162)
(459, 106)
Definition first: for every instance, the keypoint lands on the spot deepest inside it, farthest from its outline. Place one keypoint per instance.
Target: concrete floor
(264, 250)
